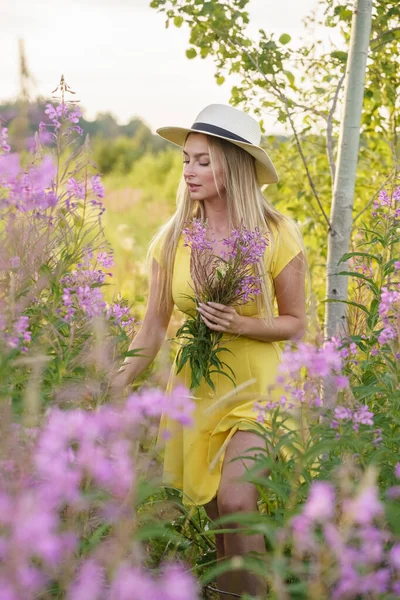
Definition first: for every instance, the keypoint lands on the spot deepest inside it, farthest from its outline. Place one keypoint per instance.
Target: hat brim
(265, 170)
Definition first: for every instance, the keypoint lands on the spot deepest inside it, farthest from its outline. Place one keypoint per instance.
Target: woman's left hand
(219, 317)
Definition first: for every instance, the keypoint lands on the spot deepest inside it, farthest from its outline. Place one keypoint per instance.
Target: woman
(224, 167)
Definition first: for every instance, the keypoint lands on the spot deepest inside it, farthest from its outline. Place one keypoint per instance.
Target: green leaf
(373, 313)
(290, 77)
(361, 276)
(191, 53)
(220, 79)
(178, 21)
(365, 254)
(393, 516)
(356, 304)
(340, 55)
(285, 38)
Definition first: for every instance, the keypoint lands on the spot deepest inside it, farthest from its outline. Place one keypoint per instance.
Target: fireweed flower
(365, 507)
(75, 188)
(97, 186)
(105, 260)
(56, 113)
(350, 535)
(120, 314)
(250, 244)
(10, 168)
(81, 460)
(389, 310)
(32, 189)
(228, 279)
(75, 115)
(361, 415)
(18, 335)
(134, 584)
(4, 146)
(302, 371)
(89, 584)
(321, 502)
(82, 290)
(90, 300)
(195, 236)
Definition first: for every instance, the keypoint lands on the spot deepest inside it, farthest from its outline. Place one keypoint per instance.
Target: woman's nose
(188, 170)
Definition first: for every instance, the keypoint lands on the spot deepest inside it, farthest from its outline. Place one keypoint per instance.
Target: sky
(118, 56)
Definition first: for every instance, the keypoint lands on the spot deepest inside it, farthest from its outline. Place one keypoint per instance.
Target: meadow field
(83, 512)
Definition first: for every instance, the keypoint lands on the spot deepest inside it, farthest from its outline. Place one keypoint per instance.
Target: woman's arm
(290, 296)
(149, 338)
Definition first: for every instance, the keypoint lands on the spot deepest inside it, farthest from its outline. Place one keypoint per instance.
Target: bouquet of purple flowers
(229, 279)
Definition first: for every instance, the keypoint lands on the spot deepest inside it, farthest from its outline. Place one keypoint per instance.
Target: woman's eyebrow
(197, 155)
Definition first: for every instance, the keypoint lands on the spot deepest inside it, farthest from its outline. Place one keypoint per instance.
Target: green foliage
(304, 100)
(201, 348)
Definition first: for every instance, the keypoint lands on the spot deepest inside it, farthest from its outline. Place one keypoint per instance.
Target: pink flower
(320, 505)
(76, 188)
(394, 557)
(3, 140)
(177, 584)
(90, 582)
(105, 260)
(97, 186)
(10, 167)
(365, 507)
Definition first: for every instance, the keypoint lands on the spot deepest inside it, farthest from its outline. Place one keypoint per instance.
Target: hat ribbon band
(219, 131)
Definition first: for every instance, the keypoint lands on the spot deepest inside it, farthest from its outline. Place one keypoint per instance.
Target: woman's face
(197, 169)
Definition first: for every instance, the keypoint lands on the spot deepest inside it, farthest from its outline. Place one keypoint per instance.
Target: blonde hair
(246, 205)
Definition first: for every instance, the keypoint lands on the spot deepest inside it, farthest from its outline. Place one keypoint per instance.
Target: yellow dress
(193, 457)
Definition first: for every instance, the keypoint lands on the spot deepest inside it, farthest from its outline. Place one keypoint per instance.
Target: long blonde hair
(246, 205)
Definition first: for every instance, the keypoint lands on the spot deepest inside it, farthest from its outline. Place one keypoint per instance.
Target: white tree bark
(345, 177)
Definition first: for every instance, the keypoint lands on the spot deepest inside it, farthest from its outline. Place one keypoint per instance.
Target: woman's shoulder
(285, 242)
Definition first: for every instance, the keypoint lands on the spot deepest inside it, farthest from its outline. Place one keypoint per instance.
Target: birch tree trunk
(344, 183)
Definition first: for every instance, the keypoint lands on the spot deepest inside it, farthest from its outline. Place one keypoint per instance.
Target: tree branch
(381, 35)
(329, 128)
(284, 99)
(366, 207)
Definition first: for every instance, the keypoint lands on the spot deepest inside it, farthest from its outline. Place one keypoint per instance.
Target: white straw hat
(228, 123)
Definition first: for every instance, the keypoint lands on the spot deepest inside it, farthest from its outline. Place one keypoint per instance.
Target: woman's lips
(193, 187)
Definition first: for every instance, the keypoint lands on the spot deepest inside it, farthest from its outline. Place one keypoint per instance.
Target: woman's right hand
(119, 384)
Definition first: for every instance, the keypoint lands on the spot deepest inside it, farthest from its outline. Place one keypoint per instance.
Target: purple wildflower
(321, 502)
(105, 260)
(365, 507)
(10, 168)
(97, 186)
(91, 300)
(394, 557)
(76, 188)
(120, 314)
(75, 115)
(177, 584)
(4, 146)
(195, 236)
(89, 585)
